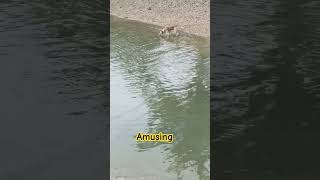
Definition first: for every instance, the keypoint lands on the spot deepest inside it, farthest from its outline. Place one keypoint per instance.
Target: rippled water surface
(266, 90)
(158, 86)
(53, 62)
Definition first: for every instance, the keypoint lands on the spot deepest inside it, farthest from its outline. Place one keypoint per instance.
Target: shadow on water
(172, 76)
(275, 134)
(54, 64)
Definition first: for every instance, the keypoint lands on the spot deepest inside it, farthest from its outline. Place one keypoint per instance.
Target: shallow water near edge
(157, 86)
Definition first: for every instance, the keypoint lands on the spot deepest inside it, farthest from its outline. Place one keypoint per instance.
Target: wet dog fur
(168, 30)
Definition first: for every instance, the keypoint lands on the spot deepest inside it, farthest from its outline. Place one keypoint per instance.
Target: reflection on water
(266, 90)
(53, 96)
(158, 86)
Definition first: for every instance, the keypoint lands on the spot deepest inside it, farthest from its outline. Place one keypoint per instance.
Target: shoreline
(192, 17)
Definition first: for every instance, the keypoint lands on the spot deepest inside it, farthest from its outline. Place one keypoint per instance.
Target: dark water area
(266, 90)
(54, 101)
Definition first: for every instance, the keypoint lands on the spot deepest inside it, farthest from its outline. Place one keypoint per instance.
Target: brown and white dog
(168, 30)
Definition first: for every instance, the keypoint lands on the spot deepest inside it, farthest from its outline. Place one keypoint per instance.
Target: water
(53, 62)
(158, 86)
(265, 98)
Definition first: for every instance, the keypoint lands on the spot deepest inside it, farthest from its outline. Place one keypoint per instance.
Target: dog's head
(161, 32)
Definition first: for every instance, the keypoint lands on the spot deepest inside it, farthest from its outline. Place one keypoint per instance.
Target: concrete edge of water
(158, 27)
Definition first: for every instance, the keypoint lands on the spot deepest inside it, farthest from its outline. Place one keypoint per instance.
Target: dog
(168, 30)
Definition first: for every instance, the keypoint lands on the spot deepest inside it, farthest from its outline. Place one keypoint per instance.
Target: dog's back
(168, 30)
(171, 28)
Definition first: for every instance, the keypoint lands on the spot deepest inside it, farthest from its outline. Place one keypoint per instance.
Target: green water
(157, 86)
